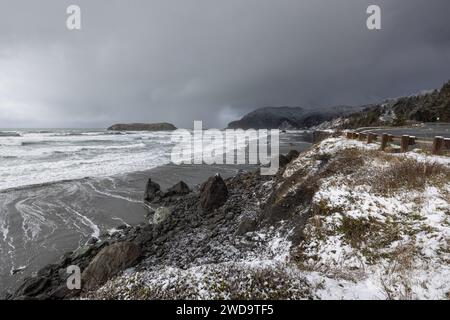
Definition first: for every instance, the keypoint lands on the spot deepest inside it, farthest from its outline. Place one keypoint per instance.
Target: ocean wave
(128, 146)
(112, 133)
(9, 134)
(41, 132)
(32, 143)
(77, 149)
(67, 134)
(56, 142)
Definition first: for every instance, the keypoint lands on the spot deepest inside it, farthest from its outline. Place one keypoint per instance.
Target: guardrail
(438, 146)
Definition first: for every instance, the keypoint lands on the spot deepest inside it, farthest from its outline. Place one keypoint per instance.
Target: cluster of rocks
(188, 227)
(153, 191)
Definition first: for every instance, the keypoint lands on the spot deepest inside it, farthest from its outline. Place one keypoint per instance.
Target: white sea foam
(36, 157)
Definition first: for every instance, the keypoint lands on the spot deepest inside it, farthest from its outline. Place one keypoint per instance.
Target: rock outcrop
(152, 191)
(292, 154)
(164, 126)
(178, 189)
(213, 193)
(108, 262)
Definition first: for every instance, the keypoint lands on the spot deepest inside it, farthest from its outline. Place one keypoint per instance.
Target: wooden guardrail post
(384, 141)
(349, 134)
(447, 143)
(412, 140)
(369, 137)
(404, 144)
(362, 136)
(438, 143)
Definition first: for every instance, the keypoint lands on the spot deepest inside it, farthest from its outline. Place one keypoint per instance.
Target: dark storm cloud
(186, 60)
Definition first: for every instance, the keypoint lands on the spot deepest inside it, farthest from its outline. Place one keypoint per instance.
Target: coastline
(80, 209)
(301, 234)
(105, 206)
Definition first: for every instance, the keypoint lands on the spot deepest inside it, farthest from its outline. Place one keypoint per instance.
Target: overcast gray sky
(210, 60)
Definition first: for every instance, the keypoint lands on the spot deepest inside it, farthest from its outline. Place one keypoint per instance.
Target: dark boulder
(283, 161)
(213, 193)
(109, 262)
(293, 154)
(178, 189)
(152, 191)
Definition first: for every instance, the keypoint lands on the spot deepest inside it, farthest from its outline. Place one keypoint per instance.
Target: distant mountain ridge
(289, 117)
(427, 106)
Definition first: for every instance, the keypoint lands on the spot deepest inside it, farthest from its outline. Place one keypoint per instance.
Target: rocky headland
(289, 117)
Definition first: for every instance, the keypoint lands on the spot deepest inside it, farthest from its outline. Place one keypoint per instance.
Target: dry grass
(362, 167)
(410, 175)
(396, 280)
(346, 162)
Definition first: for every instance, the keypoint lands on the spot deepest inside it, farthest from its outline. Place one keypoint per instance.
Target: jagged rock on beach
(152, 191)
(292, 154)
(178, 189)
(283, 160)
(213, 193)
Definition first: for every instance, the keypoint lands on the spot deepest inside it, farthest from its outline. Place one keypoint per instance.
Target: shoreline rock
(108, 262)
(213, 193)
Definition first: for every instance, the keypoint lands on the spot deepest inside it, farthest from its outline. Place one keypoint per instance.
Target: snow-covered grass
(381, 231)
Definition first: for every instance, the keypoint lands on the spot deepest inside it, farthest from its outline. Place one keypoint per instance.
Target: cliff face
(142, 127)
(289, 117)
